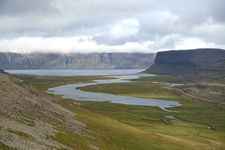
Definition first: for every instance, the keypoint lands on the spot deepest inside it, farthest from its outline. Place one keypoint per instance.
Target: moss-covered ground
(118, 126)
(143, 87)
(42, 83)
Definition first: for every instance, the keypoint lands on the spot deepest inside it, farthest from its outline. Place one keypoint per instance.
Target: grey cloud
(25, 7)
(158, 20)
(165, 42)
(107, 40)
(190, 20)
(216, 9)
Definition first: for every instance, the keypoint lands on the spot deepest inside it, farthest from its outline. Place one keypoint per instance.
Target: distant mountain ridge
(185, 61)
(75, 61)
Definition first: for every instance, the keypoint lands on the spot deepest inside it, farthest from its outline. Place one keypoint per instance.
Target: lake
(70, 91)
(74, 71)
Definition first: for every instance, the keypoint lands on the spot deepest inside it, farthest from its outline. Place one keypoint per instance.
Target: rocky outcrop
(185, 61)
(28, 118)
(75, 61)
(215, 70)
(3, 72)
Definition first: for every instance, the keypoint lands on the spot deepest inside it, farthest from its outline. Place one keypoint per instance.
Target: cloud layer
(110, 26)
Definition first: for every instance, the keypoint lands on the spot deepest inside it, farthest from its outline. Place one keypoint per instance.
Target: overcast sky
(110, 25)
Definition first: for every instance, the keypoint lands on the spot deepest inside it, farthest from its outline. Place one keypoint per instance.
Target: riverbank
(70, 72)
(73, 91)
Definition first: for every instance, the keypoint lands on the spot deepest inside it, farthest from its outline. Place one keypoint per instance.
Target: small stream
(208, 126)
(171, 117)
(70, 91)
(172, 85)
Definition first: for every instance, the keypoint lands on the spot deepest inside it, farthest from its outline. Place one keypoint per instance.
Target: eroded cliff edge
(75, 61)
(185, 61)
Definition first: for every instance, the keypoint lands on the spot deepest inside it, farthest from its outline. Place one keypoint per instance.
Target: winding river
(70, 91)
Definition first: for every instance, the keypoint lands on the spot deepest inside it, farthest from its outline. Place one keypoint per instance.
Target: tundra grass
(166, 79)
(21, 134)
(144, 116)
(118, 126)
(135, 89)
(4, 147)
(143, 88)
(42, 83)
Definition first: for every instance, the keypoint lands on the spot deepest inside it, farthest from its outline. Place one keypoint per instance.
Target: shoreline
(122, 74)
(81, 72)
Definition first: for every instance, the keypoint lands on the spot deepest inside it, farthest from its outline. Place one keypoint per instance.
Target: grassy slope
(141, 127)
(123, 129)
(42, 83)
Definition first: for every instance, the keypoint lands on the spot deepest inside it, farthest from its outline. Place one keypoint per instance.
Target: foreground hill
(75, 61)
(30, 120)
(185, 61)
(3, 72)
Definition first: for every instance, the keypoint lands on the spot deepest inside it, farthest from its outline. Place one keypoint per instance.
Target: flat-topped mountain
(185, 61)
(75, 61)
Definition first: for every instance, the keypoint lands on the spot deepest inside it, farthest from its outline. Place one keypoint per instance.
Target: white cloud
(210, 31)
(123, 30)
(131, 22)
(66, 45)
(192, 43)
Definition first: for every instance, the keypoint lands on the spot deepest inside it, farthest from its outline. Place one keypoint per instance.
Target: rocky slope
(75, 61)
(185, 61)
(208, 83)
(29, 119)
(202, 69)
(3, 72)
(215, 70)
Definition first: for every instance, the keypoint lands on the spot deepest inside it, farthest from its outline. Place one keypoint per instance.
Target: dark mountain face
(3, 72)
(75, 61)
(215, 70)
(185, 61)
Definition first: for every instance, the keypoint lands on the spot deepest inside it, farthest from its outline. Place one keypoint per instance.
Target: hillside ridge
(29, 118)
(75, 61)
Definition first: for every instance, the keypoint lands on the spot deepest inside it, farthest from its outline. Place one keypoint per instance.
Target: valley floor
(198, 124)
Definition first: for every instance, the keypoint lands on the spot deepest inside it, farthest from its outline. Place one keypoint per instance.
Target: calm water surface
(171, 117)
(74, 71)
(70, 91)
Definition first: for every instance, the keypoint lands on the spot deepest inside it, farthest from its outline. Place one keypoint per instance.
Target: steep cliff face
(75, 61)
(185, 61)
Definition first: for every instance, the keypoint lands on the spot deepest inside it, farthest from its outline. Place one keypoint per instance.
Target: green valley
(199, 125)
